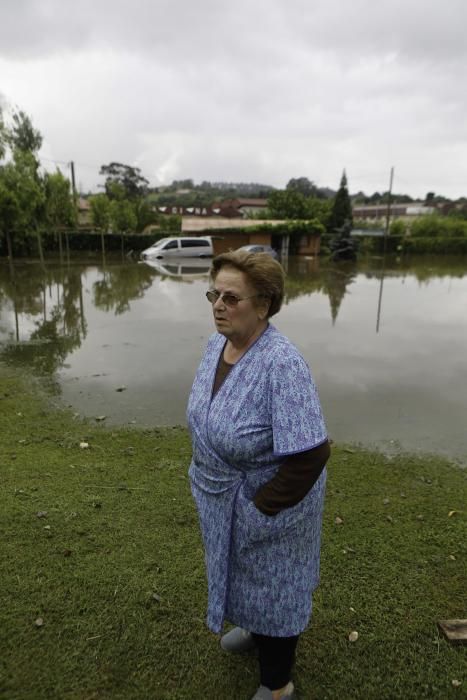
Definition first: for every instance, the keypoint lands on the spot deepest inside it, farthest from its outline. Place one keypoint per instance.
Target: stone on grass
(454, 630)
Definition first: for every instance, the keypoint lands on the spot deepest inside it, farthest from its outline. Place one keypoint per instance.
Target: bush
(434, 226)
(437, 245)
(88, 241)
(291, 228)
(398, 228)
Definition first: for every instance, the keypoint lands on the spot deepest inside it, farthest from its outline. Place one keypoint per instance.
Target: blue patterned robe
(261, 569)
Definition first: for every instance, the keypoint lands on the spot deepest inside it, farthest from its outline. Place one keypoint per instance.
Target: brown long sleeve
(294, 479)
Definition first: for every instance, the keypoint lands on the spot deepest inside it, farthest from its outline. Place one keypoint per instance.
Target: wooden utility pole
(388, 210)
(73, 187)
(73, 181)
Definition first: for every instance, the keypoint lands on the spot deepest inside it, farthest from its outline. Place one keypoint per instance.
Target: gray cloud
(216, 30)
(252, 91)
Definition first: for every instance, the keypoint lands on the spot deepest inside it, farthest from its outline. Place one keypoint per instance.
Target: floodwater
(386, 341)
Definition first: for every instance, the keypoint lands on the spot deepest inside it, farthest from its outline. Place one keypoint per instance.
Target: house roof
(240, 202)
(197, 223)
(252, 203)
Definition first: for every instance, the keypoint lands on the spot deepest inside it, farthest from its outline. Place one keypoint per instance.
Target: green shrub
(398, 228)
(435, 226)
(86, 241)
(436, 245)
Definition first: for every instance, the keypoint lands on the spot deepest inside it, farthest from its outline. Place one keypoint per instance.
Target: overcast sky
(245, 90)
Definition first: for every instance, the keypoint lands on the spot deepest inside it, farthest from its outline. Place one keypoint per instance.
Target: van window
(193, 243)
(170, 245)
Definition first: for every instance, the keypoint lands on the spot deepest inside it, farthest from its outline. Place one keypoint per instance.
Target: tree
(58, 200)
(183, 184)
(288, 204)
(60, 211)
(145, 214)
(22, 135)
(304, 186)
(130, 178)
(122, 216)
(22, 198)
(100, 212)
(341, 212)
(22, 191)
(9, 208)
(100, 216)
(115, 191)
(398, 228)
(2, 136)
(319, 209)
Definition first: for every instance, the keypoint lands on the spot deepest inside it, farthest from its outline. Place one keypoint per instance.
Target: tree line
(29, 200)
(33, 202)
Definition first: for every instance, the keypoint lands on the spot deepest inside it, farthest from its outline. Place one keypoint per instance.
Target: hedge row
(91, 242)
(438, 245)
(438, 227)
(83, 241)
(408, 244)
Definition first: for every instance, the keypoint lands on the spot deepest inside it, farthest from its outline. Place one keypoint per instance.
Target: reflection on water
(190, 269)
(42, 318)
(387, 343)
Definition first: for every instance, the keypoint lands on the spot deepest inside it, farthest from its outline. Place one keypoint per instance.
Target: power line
(67, 163)
(57, 162)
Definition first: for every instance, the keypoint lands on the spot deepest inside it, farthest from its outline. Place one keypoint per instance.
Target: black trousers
(276, 657)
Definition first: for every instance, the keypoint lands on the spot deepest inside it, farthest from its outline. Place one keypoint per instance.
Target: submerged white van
(180, 247)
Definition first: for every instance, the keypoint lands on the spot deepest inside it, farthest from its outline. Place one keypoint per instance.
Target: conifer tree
(342, 208)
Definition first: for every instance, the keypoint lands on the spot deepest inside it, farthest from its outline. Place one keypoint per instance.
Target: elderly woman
(258, 470)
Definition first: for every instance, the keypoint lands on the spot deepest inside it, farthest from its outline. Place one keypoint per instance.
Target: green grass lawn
(115, 569)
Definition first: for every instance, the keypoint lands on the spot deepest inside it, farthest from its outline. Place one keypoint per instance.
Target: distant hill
(185, 193)
(327, 192)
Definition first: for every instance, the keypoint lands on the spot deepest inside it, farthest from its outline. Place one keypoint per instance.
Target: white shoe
(237, 640)
(264, 693)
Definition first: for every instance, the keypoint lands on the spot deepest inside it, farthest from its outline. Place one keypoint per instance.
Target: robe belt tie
(214, 484)
(217, 482)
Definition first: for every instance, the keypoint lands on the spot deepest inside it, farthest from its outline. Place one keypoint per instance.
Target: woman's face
(240, 322)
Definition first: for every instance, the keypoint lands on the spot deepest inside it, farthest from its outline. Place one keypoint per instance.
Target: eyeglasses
(229, 299)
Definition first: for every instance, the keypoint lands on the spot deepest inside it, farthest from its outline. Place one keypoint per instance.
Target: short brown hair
(265, 274)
